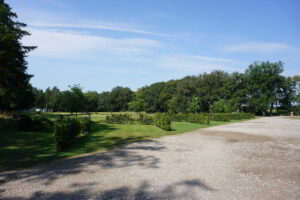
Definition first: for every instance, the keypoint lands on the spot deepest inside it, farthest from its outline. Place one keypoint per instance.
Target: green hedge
(222, 117)
(241, 116)
(226, 117)
(119, 119)
(85, 125)
(296, 110)
(145, 119)
(162, 121)
(33, 123)
(65, 130)
(200, 118)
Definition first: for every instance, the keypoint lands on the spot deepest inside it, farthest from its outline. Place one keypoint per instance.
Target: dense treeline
(75, 100)
(261, 90)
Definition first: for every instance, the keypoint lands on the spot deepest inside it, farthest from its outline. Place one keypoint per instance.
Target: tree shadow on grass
(186, 189)
(125, 156)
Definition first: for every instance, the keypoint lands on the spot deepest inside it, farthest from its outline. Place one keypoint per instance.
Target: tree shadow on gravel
(187, 189)
(133, 155)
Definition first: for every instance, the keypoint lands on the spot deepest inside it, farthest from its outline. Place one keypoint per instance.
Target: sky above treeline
(133, 43)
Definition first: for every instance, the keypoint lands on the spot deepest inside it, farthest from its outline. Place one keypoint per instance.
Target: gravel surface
(256, 159)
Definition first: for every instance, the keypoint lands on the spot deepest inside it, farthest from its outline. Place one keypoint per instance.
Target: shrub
(119, 119)
(198, 118)
(145, 119)
(296, 110)
(222, 117)
(85, 125)
(162, 121)
(8, 124)
(225, 117)
(65, 130)
(241, 116)
(34, 123)
(191, 117)
(25, 123)
(42, 123)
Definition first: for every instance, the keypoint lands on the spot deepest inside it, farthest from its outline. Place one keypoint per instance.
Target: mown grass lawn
(25, 149)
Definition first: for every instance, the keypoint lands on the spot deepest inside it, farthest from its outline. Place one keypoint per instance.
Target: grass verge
(25, 149)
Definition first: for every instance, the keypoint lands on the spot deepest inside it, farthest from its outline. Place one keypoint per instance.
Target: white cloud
(57, 44)
(103, 26)
(197, 64)
(257, 47)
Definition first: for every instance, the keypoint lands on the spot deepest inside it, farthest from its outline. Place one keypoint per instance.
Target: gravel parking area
(255, 159)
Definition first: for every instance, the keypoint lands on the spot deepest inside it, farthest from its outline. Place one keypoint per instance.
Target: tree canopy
(15, 89)
(261, 90)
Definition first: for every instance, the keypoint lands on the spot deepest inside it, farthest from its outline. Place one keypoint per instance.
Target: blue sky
(133, 43)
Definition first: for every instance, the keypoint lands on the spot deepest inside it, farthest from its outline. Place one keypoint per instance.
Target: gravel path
(256, 159)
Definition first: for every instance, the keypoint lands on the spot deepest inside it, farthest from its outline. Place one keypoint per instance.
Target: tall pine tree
(15, 89)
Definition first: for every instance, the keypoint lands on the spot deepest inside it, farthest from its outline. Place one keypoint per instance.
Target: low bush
(198, 118)
(296, 110)
(221, 117)
(33, 123)
(119, 119)
(85, 125)
(162, 121)
(241, 116)
(8, 124)
(145, 119)
(65, 130)
(191, 117)
(226, 117)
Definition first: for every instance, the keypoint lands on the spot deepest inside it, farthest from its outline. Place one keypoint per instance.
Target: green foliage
(116, 100)
(162, 121)
(222, 106)
(191, 117)
(92, 101)
(259, 90)
(145, 119)
(226, 117)
(33, 123)
(296, 110)
(264, 86)
(26, 149)
(15, 89)
(119, 119)
(7, 124)
(136, 106)
(53, 99)
(193, 105)
(221, 117)
(65, 130)
(74, 100)
(85, 125)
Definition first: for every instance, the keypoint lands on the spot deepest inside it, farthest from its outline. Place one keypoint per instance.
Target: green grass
(25, 149)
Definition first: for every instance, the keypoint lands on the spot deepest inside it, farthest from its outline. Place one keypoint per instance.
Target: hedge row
(226, 117)
(221, 117)
(119, 119)
(191, 117)
(145, 119)
(162, 121)
(127, 119)
(33, 123)
(65, 130)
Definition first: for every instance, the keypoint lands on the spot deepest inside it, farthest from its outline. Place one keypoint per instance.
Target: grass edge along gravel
(40, 148)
